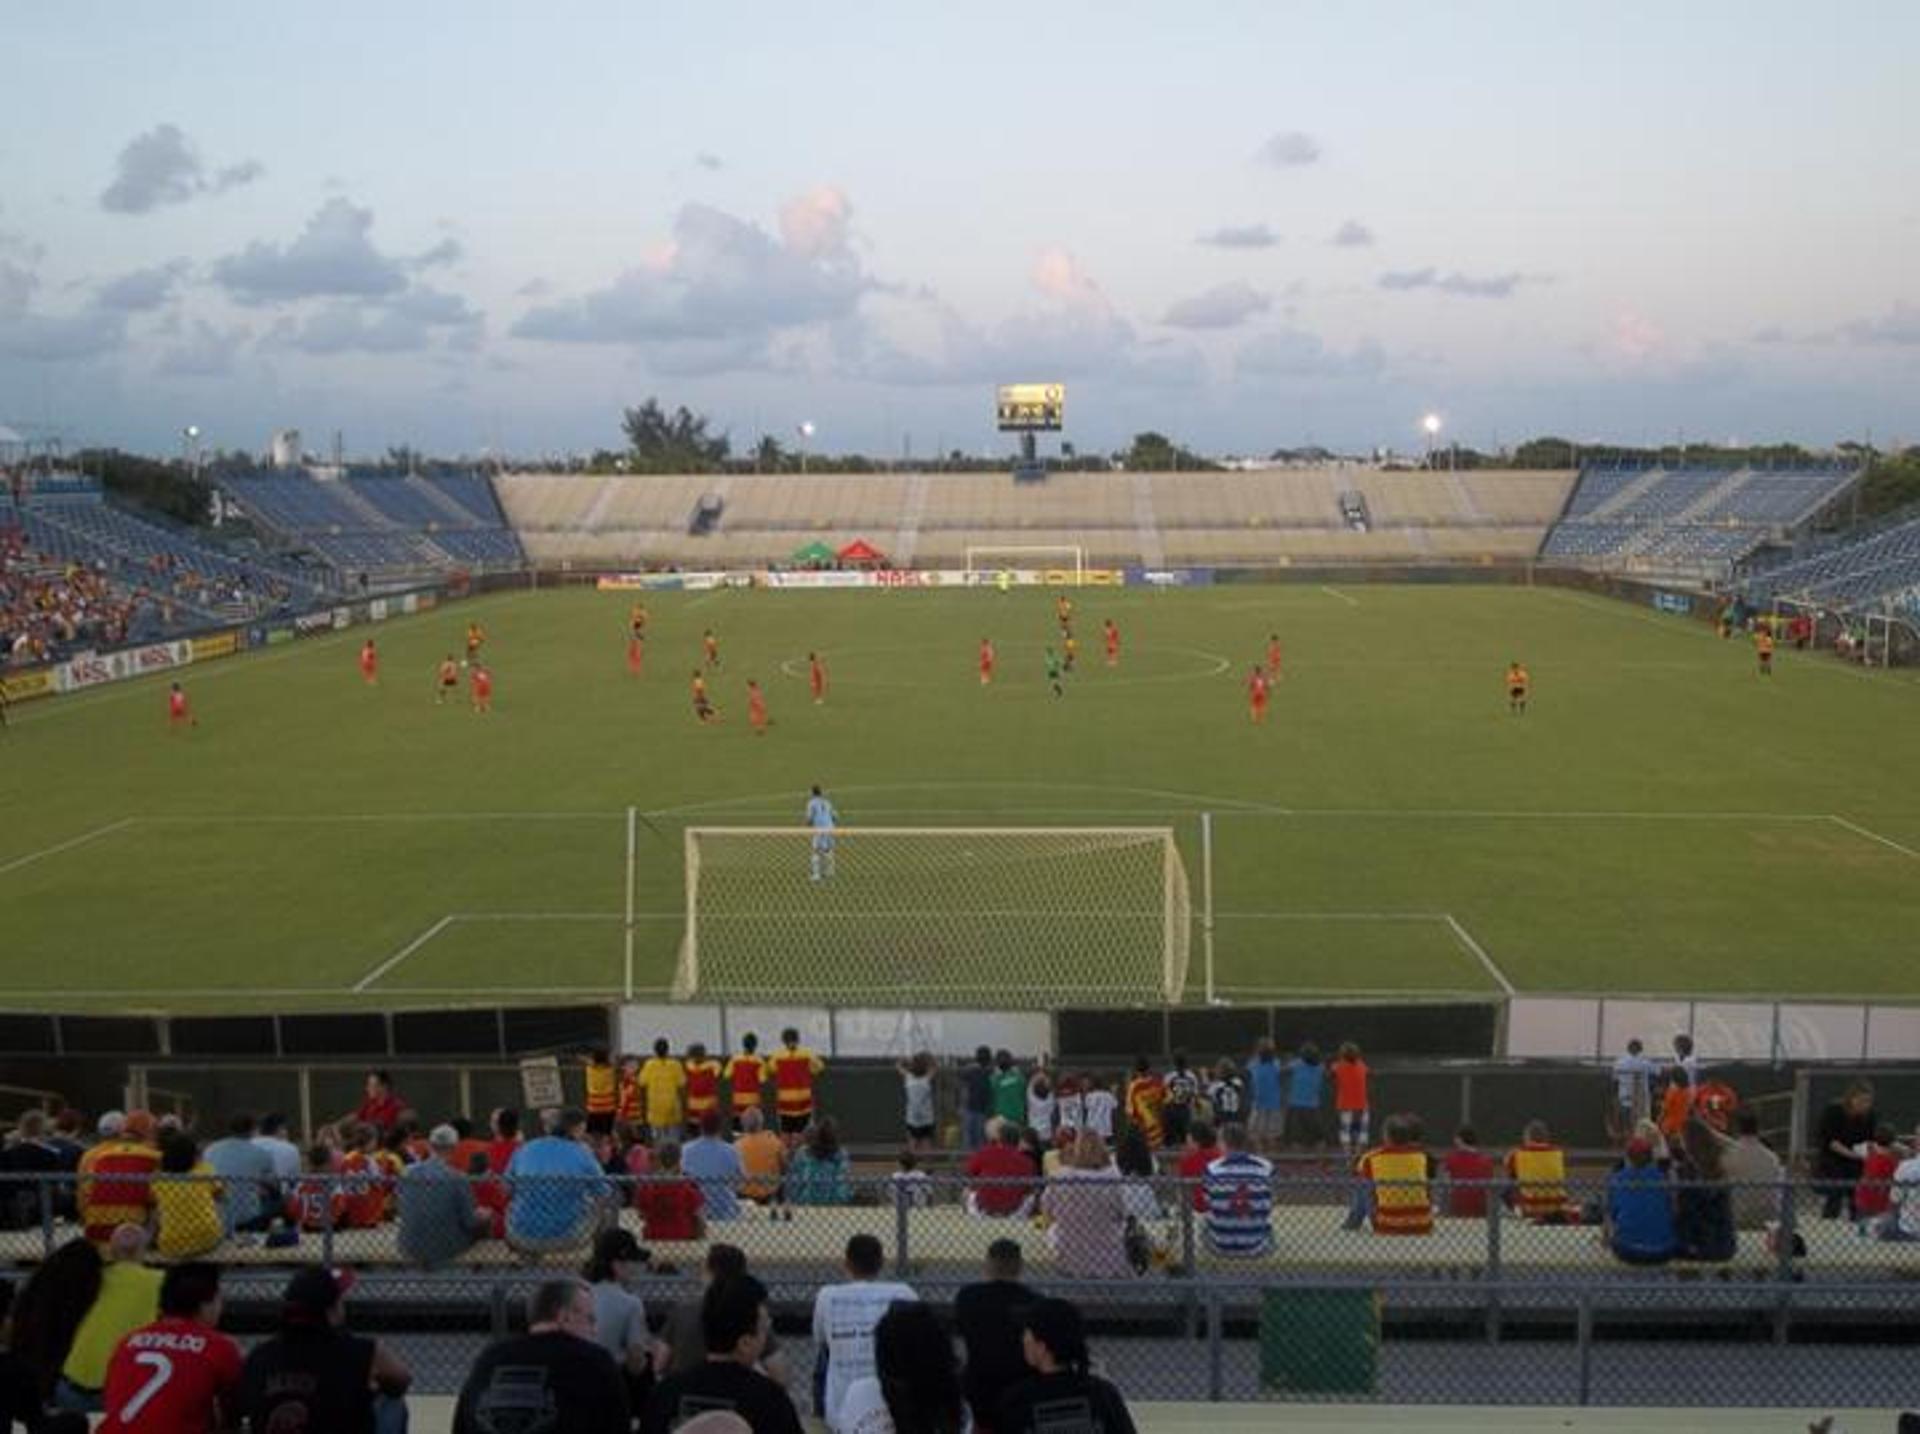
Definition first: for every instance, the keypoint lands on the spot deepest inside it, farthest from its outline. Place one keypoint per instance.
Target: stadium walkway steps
(377, 521)
(457, 516)
(597, 509)
(1654, 534)
(1153, 548)
(1463, 495)
(1625, 498)
(906, 538)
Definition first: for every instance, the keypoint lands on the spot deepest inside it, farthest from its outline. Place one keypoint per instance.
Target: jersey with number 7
(166, 1377)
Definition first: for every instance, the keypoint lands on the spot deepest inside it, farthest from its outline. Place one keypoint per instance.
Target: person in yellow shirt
(1538, 1169)
(186, 1198)
(1519, 688)
(603, 1094)
(663, 1080)
(129, 1297)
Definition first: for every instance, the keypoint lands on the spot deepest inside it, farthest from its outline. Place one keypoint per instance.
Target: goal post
(935, 916)
(1068, 561)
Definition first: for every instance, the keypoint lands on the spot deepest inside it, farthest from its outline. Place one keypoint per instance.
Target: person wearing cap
(313, 1375)
(122, 1166)
(1639, 1211)
(619, 1314)
(439, 1221)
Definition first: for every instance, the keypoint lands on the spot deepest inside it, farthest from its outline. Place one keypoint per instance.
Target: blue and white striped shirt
(1240, 1205)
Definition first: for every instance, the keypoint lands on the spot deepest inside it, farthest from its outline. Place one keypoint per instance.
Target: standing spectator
(1639, 1208)
(1845, 1125)
(602, 1080)
(703, 1086)
(817, 1174)
(127, 1296)
(32, 1158)
(763, 1158)
(1703, 1206)
(1469, 1172)
(53, 1305)
(1753, 1172)
(556, 1191)
(734, 1327)
(619, 1314)
(380, 1104)
(1102, 1107)
(744, 1076)
(1062, 1392)
(439, 1220)
(1684, 1058)
(916, 1088)
(1070, 1108)
(1538, 1169)
(711, 1162)
(313, 1375)
(1042, 1104)
(125, 1150)
(1676, 1102)
(976, 1099)
(1088, 1214)
(1203, 1148)
(554, 1372)
(988, 1315)
(915, 1388)
(186, 1198)
(1009, 1089)
(844, 1316)
(1395, 1193)
(794, 1069)
(1239, 1199)
(1268, 1125)
(664, 1081)
(669, 1205)
(1306, 1095)
(1227, 1094)
(1002, 1177)
(1135, 1163)
(1351, 1104)
(629, 1101)
(1146, 1102)
(1182, 1089)
(246, 1177)
(1632, 1087)
(201, 1366)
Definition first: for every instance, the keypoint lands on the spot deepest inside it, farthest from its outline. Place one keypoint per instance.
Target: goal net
(924, 916)
(1038, 562)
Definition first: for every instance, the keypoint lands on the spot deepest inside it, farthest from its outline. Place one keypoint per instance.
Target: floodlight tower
(805, 428)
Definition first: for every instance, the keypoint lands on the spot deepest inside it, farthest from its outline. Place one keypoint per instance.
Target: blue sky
(1248, 225)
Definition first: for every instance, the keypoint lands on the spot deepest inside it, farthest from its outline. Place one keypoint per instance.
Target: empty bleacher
(1870, 569)
(387, 525)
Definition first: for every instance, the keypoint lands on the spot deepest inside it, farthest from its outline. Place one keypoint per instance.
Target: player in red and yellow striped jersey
(745, 1074)
(703, 1085)
(793, 1067)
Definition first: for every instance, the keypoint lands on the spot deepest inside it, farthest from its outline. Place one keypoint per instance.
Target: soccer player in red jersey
(710, 645)
(1257, 693)
(817, 677)
(369, 663)
(446, 679)
(986, 661)
(1113, 644)
(757, 708)
(1273, 655)
(178, 713)
(175, 1375)
(480, 680)
(636, 653)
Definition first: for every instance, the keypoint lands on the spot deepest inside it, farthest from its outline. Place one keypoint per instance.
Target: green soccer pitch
(1662, 820)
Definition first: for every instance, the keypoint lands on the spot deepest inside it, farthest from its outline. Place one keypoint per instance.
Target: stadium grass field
(1663, 820)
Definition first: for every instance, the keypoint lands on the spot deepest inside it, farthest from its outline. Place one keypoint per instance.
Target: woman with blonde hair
(1088, 1215)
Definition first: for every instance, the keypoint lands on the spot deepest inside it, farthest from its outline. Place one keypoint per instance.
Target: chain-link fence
(1281, 1285)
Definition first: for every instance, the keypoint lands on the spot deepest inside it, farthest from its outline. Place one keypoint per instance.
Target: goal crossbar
(984, 561)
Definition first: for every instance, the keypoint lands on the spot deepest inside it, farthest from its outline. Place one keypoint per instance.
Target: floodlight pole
(1206, 899)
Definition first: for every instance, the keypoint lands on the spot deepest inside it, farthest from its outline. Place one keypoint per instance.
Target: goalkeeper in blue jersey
(820, 817)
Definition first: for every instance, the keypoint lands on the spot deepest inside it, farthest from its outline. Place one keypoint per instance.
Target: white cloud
(142, 290)
(162, 167)
(1222, 307)
(1289, 149)
(332, 257)
(1487, 286)
(1240, 236)
(406, 323)
(1352, 235)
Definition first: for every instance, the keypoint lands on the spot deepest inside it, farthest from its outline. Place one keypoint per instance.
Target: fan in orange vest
(1397, 1182)
(744, 1075)
(1538, 1169)
(793, 1069)
(603, 1091)
(703, 1085)
(127, 1150)
(1146, 1098)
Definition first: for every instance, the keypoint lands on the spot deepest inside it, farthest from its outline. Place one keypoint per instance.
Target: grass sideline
(1663, 820)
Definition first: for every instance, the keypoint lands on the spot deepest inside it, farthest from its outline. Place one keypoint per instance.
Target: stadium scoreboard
(1031, 407)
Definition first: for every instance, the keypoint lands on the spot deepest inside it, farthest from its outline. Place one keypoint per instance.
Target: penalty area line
(1334, 592)
(1465, 938)
(1853, 827)
(405, 951)
(68, 845)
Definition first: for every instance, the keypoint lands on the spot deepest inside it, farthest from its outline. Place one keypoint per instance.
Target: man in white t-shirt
(1902, 1222)
(1632, 1086)
(844, 1317)
(1101, 1104)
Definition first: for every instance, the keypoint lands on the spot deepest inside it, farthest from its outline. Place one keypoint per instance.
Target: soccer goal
(935, 916)
(1065, 563)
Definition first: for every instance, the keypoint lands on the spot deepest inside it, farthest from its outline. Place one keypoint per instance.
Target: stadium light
(1432, 424)
(805, 428)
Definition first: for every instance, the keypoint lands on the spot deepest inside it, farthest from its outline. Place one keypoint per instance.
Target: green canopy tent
(814, 555)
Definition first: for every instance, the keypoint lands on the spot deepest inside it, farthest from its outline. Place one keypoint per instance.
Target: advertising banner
(377, 610)
(310, 623)
(25, 686)
(342, 618)
(427, 602)
(409, 602)
(1170, 577)
(275, 635)
(219, 644)
(1673, 602)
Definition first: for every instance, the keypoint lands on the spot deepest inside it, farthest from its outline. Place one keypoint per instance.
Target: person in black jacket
(1845, 1125)
(988, 1316)
(551, 1380)
(734, 1320)
(1062, 1393)
(314, 1375)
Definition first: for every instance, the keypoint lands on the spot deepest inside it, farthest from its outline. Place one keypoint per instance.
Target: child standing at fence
(916, 1087)
(1350, 1100)
(1042, 1104)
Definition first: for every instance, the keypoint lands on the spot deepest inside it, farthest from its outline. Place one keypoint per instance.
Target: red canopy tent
(861, 554)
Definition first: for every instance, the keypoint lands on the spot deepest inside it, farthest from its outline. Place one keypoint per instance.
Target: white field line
(1336, 593)
(633, 841)
(405, 951)
(1460, 934)
(349, 818)
(68, 845)
(1465, 938)
(1888, 842)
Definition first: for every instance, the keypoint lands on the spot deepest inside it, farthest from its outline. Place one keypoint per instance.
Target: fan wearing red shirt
(381, 1106)
(1468, 1170)
(172, 1376)
(669, 1207)
(998, 1165)
(1202, 1149)
(364, 1181)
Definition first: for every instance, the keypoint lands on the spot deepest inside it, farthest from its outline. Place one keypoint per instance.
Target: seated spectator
(763, 1157)
(915, 1384)
(1538, 1169)
(1753, 1173)
(669, 1204)
(52, 1305)
(1703, 1206)
(317, 1202)
(1001, 1175)
(1676, 1102)
(1639, 1209)
(1395, 1193)
(1239, 1199)
(1879, 1158)
(817, 1174)
(249, 1200)
(557, 1193)
(313, 1375)
(1055, 1159)
(682, 1346)
(201, 1365)
(363, 1179)
(29, 1154)
(125, 1149)
(554, 1372)
(1134, 1161)
(1202, 1149)
(912, 1186)
(1088, 1214)
(1469, 1174)
(127, 1296)
(439, 1221)
(988, 1316)
(282, 1153)
(711, 1162)
(734, 1328)
(1061, 1393)
(844, 1316)
(186, 1198)
(1902, 1222)
(619, 1314)
(21, 1399)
